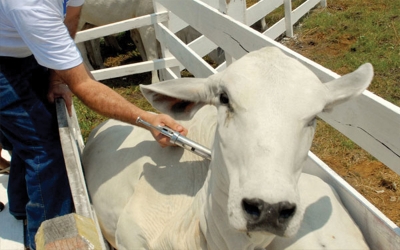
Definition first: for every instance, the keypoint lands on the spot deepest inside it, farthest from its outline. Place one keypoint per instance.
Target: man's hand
(164, 120)
(57, 88)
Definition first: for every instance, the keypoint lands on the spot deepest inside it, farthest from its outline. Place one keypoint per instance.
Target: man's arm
(107, 102)
(103, 99)
(72, 19)
(56, 85)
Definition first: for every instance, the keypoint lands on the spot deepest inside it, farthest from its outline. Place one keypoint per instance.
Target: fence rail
(203, 45)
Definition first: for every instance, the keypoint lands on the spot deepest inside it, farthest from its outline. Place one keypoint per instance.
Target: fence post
(166, 73)
(288, 18)
(237, 10)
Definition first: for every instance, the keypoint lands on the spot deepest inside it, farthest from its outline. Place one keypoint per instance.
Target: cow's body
(260, 128)
(137, 146)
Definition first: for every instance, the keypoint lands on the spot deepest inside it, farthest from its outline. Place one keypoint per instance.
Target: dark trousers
(38, 187)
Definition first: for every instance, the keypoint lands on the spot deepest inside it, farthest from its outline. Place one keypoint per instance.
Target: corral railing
(202, 46)
(370, 121)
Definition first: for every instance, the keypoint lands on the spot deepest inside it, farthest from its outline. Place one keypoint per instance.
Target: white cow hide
(258, 118)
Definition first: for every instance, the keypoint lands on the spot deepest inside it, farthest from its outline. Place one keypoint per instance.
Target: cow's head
(267, 105)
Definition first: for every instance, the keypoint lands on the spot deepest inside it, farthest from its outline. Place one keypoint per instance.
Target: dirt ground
(374, 181)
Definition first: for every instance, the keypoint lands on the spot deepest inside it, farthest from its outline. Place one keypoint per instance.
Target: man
(38, 58)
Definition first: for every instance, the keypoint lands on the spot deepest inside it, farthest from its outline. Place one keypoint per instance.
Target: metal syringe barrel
(180, 140)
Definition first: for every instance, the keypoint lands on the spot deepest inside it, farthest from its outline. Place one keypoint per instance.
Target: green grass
(129, 89)
(87, 118)
(351, 32)
(279, 13)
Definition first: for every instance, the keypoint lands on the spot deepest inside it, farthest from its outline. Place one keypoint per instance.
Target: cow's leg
(148, 46)
(93, 49)
(82, 48)
(112, 41)
(95, 52)
(86, 61)
(137, 40)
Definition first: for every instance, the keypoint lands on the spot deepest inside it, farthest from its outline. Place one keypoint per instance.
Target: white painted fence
(369, 120)
(203, 45)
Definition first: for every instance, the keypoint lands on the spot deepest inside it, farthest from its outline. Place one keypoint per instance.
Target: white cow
(258, 117)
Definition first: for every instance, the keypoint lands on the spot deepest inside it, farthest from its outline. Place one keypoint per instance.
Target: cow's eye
(223, 98)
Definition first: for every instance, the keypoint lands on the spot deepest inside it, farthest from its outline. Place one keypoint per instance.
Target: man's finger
(163, 140)
(176, 126)
(68, 103)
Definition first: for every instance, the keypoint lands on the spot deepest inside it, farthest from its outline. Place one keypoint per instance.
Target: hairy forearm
(98, 96)
(107, 102)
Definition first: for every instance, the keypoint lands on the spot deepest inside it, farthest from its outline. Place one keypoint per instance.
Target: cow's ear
(348, 86)
(179, 98)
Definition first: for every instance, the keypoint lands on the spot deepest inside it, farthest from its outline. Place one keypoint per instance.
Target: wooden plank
(72, 146)
(275, 30)
(193, 62)
(11, 230)
(237, 10)
(121, 26)
(303, 9)
(202, 45)
(379, 231)
(135, 68)
(234, 36)
(372, 123)
(288, 18)
(279, 27)
(260, 10)
(169, 74)
(221, 29)
(72, 162)
(66, 232)
(175, 23)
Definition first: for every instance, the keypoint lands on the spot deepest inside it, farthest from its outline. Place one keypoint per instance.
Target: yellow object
(70, 231)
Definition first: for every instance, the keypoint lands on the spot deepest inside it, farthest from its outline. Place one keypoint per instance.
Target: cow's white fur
(154, 198)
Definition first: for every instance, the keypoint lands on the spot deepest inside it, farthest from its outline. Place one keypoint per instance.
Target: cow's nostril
(252, 207)
(287, 213)
(263, 216)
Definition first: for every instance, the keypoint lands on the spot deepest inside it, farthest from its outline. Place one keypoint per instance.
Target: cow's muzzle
(262, 216)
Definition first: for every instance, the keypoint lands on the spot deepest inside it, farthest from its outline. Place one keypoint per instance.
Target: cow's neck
(213, 217)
